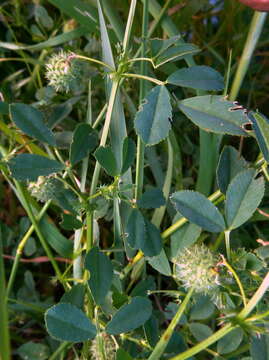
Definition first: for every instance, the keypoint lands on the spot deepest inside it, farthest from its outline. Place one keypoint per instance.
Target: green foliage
(214, 113)
(85, 140)
(261, 129)
(66, 322)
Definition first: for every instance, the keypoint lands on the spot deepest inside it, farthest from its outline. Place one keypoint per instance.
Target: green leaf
(152, 120)
(59, 113)
(260, 126)
(230, 342)
(243, 196)
(130, 316)
(66, 322)
(198, 210)
(85, 140)
(153, 241)
(31, 122)
(160, 263)
(259, 348)
(151, 199)
(101, 273)
(70, 222)
(4, 108)
(30, 167)
(175, 53)
(214, 113)
(107, 160)
(230, 164)
(122, 355)
(56, 240)
(152, 331)
(136, 229)
(183, 237)
(34, 351)
(202, 309)
(75, 296)
(141, 289)
(200, 331)
(128, 154)
(83, 13)
(197, 77)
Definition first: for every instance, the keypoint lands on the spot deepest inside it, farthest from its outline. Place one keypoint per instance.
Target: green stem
(59, 350)
(21, 247)
(140, 154)
(205, 343)
(255, 299)
(94, 61)
(227, 243)
(43, 242)
(166, 336)
(143, 77)
(111, 102)
(254, 33)
(5, 353)
(129, 27)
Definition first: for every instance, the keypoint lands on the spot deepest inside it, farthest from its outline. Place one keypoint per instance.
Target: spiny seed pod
(108, 345)
(195, 268)
(260, 5)
(62, 70)
(44, 189)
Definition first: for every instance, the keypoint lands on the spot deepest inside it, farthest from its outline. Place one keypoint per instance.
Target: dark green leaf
(152, 120)
(230, 164)
(128, 154)
(31, 122)
(151, 199)
(199, 210)
(197, 77)
(85, 140)
(4, 108)
(136, 229)
(152, 331)
(107, 160)
(153, 241)
(75, 296)
(175, 53)
(160, 263)
(261, 128)
(56, 240)
(200, 331)
(230, 342)
(214, 113)
(59, 113)
(101, 273)
(30, 166)
(34, 351)
(243, 196)
(141, 289)
(259, 348)
(183, 237)
(202, 309)
(130, 316)
(122, 355)
(66, 322)
(70, 222)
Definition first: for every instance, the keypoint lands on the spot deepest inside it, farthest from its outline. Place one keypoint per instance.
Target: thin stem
(21, 247)
(129, 27)
(166, 336)
(111, 102)
(141, 59)
(227, 243)
(100, 117)
(94, 61)
(254, 33)
(5, 353)
(225, 263)
(33, 219)
(205, 343)
(140, 154)
(255, 298)
(144, 77)
(59, 350)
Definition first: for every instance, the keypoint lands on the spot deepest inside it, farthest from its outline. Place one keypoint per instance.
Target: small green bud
(195, 268)
(63, 70)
